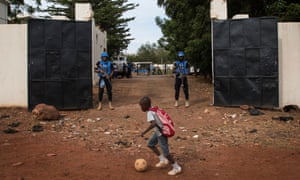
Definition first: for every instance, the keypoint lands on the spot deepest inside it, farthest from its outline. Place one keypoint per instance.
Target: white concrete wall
(3, 12)
(218, 9)
(289, 63)
(83, 12)
(13, 65)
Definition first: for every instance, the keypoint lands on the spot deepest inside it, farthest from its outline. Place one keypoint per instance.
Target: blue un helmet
(180, 53)
(104, 54)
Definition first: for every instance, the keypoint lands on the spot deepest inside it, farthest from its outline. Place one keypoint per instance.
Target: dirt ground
(210, 143)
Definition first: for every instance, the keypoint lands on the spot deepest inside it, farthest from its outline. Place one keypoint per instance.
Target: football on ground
(140, 165)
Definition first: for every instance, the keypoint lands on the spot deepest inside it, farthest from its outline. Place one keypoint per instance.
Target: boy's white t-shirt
(151, 116)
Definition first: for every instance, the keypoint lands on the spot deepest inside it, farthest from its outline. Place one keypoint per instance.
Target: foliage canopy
(187, 26)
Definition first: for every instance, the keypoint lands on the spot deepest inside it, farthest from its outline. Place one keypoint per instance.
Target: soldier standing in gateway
(181, 70)
(105, 72)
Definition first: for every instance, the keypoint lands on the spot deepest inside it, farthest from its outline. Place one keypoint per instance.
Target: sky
(143, 28)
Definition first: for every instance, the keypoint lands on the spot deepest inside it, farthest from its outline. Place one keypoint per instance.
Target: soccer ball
(140, 165)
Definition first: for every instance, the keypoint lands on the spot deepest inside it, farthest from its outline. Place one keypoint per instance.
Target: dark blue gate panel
(84, 95)
(222, 91)
(81, 31)
(38, 87)
(59, 66)
(71, 94)
(245, 60)
(54, 93)
(237, 36)
(253, 66)
(269, 33)
(269, 91)
(53, 35)
(53, 66)
(221, 34)
(222, 62)
(69, 67)
(245, 90)
(36, 29)
(83, 63)
(269, 63)
(37, 63)
(251, 33)
(237, 62)
(69, 35)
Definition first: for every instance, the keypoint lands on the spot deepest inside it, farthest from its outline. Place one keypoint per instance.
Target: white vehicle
(120, 65)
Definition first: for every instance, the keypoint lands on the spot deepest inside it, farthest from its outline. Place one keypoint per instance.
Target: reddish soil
(210, 143)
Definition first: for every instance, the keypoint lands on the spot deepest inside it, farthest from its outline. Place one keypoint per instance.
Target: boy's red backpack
(168, 129)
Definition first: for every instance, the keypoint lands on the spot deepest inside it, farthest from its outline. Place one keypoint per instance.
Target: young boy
(158, 138)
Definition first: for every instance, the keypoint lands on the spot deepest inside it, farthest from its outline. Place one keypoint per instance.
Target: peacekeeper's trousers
(178, 82)
(108, 86)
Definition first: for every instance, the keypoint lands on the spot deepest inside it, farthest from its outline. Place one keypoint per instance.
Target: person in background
(129, 69)
(115, 69)
(181, 70)
(124, 68)
(104, 68)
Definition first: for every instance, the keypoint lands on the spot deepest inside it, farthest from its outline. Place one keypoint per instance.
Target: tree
(199, 44)
(283, 10)
(187, 28)
(108, 14)
(13, 10)
(16, 7)
(152, 53)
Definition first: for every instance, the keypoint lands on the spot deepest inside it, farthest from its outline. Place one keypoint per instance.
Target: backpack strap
(154, 109)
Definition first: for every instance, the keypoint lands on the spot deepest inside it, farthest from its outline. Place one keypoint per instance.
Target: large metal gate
(245, 62)
(59, 63)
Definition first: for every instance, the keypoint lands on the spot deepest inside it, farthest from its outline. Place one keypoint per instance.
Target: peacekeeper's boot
(176, 103)
(187, 104)
(110, 106)
(99, 108)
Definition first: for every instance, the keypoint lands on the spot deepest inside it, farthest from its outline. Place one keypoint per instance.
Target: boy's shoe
(174, 171)
(162, 163)
(176, 104)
